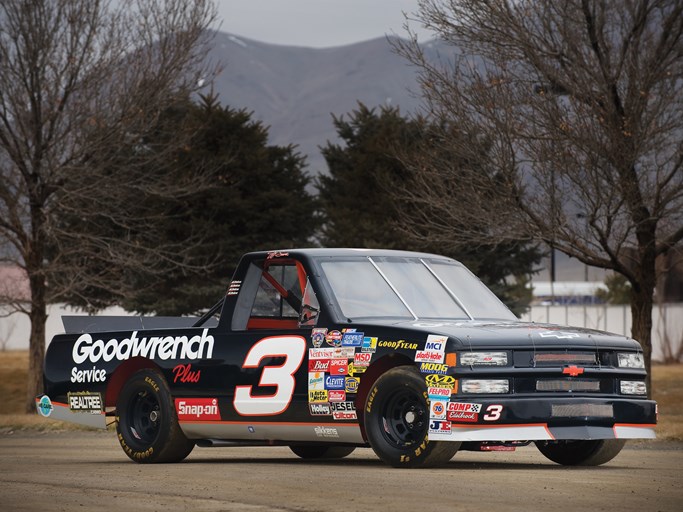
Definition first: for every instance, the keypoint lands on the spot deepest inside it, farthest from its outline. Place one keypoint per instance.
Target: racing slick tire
(396, 419)
(147, 424)
(581, 453)
(321, 451)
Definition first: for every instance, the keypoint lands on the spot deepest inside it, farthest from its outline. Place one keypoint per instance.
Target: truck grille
(567, 385)
(565, 358)
(576, 410)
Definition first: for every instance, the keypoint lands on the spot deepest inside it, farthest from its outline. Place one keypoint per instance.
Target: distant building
(546, 293)
(576, 283)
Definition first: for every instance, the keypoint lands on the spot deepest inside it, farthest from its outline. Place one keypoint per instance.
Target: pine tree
(359, 207)
(257, 199)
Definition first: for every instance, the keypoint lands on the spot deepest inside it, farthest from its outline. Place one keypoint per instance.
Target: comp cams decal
(463, 412)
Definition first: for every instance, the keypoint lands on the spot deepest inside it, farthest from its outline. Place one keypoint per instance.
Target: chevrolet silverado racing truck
(327, 350)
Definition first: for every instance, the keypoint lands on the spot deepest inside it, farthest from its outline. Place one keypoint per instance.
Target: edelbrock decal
(463, 412)
(166, 347)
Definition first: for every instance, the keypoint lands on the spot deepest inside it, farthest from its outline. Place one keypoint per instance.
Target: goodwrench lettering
(164, 348)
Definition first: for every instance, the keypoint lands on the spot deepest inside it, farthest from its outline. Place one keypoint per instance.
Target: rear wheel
(321, 451)
(397, 421)
(581, 453)
(147, 424)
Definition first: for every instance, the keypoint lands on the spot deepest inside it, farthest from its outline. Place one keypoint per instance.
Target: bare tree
(578, 105)
(9, 325)
(78, 80)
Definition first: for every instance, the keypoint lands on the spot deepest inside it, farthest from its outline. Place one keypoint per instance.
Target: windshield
(410, 288)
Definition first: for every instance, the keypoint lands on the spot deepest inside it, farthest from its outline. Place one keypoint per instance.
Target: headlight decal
(484, 386)
(632, 387)
(483, 358)
(631, 360)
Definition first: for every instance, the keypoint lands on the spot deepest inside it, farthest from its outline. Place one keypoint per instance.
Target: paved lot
(88, 471)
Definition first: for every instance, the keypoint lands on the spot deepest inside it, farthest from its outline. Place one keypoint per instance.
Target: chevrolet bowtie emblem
(573, 371)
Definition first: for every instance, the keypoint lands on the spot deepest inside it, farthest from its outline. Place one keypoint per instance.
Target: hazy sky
(316, 23)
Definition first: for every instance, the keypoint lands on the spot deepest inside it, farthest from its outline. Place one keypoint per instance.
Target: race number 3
(293, 349)
(493, 412)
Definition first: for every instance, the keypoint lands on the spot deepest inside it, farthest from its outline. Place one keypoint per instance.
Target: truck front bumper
(535, 419)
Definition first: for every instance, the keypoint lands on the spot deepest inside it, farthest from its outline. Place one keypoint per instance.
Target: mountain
(294, 90)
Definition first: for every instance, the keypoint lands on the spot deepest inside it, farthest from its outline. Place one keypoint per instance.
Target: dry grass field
(667, 384)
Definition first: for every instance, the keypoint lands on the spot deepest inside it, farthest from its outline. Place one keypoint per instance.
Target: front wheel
(147, 424)
(581, 453)
(321, 451)
(397, 421)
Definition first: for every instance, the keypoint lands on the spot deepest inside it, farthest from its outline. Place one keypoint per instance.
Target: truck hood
(511, 334)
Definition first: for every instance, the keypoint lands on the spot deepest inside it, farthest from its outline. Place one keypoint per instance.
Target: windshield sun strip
(386, 279)
(448, 290)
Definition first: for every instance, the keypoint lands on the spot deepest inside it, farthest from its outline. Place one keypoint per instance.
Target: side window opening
(278, 298)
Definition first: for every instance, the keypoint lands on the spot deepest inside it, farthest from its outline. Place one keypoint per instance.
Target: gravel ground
(88, 471)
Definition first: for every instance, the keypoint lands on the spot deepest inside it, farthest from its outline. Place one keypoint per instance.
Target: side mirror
(310, 308)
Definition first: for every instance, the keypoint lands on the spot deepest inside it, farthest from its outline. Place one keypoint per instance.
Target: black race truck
(326, 350)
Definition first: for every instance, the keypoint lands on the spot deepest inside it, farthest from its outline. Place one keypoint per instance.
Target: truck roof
(342, 252)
